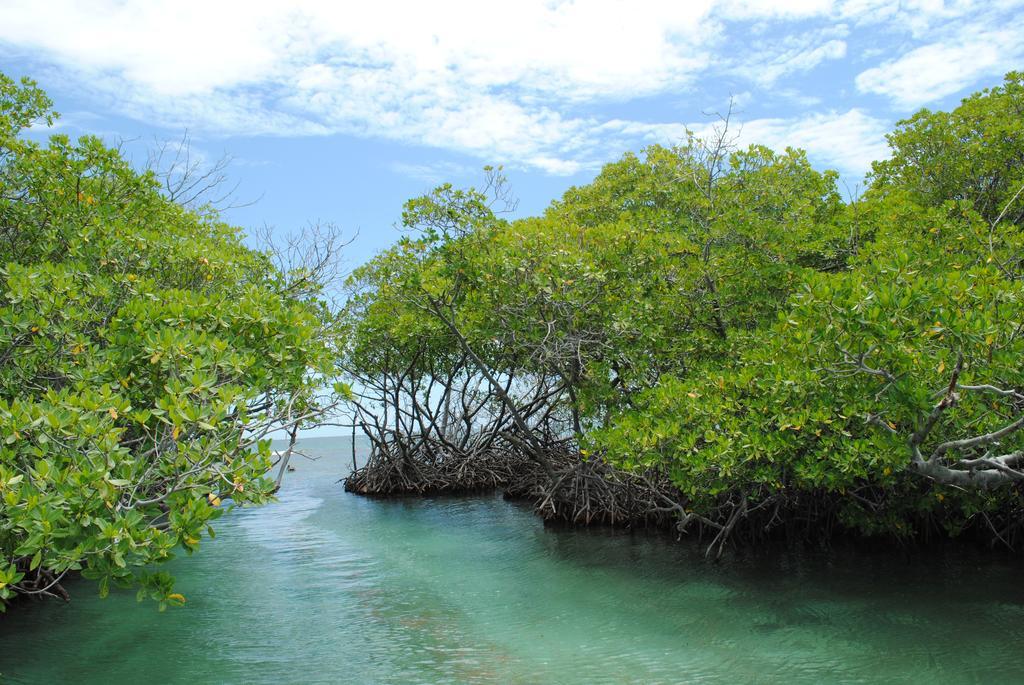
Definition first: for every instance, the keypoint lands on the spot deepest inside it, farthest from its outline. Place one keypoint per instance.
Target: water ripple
(325, 587)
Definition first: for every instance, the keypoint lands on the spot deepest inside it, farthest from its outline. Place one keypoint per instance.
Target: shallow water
(327, 587)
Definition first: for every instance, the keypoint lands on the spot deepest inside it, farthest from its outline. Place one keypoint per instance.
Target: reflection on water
(326, 587)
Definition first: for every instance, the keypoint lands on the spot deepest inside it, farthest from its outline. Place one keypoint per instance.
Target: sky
(339, 111)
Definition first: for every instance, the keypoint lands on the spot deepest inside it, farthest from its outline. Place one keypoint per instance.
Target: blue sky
(339, 111)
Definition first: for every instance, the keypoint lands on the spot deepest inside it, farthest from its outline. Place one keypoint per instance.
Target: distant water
(327, 587)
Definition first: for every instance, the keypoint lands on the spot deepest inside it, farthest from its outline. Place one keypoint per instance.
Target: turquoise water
(327, 587)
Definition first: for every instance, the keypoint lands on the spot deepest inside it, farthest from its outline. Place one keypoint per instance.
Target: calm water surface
(326, 587)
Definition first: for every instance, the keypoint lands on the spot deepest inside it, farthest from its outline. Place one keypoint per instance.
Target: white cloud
(524, 84)
(788, 9)
(452, 74)
(848, 141)
(939, 69)
(958, 43)
(154, 45)
(918, 17)
(791, 55)
(190, 47)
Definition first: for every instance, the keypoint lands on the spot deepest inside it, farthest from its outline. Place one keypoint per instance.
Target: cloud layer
(530, 83)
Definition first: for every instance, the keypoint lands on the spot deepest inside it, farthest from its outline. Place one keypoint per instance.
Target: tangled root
(588, 492)
(432, 471)
(582, 492)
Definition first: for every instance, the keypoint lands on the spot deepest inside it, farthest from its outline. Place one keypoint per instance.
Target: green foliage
(611, 298)
(144, 353)
(721, 318)
(974, 153)
(831, 396)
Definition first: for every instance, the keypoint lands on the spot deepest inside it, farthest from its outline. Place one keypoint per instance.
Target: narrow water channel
(327, 587)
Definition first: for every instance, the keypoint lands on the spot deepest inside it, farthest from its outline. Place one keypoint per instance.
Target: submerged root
(583, 492)
(431, 471)
(591, 491)
(586, 492)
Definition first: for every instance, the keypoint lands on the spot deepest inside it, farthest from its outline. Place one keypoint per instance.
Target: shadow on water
(325, 586)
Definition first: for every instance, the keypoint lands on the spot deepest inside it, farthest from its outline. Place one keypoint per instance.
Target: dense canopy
(145, 355)
(714, 331)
